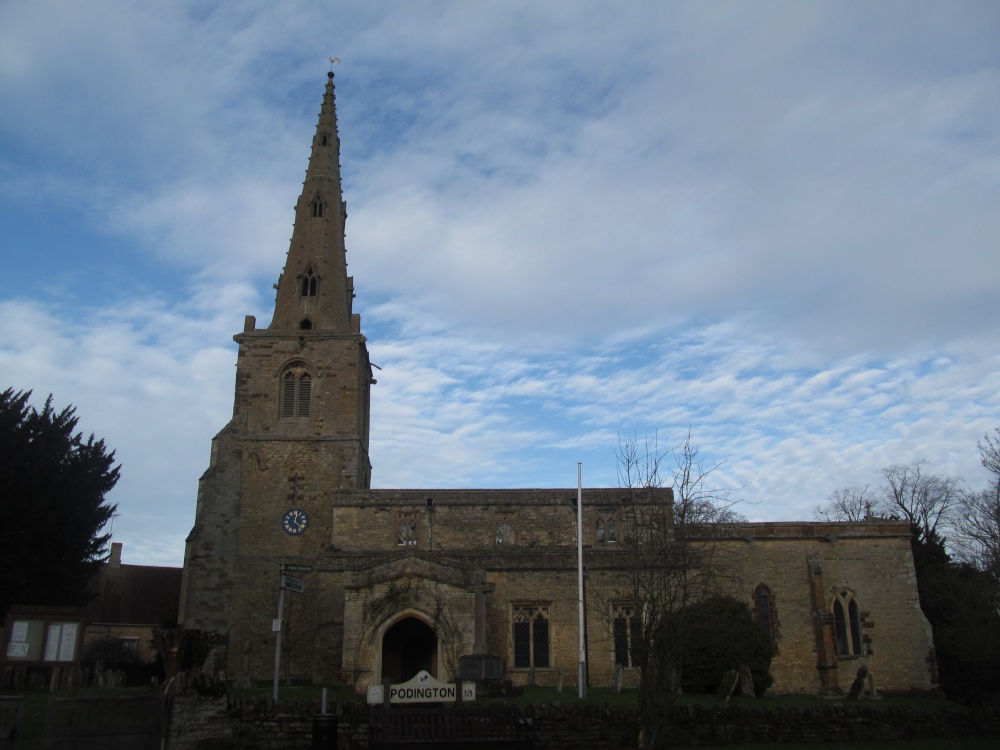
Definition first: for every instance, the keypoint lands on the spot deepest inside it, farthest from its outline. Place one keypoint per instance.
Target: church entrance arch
(407, 647)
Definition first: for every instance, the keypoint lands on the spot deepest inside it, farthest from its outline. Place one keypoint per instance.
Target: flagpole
(581, 679)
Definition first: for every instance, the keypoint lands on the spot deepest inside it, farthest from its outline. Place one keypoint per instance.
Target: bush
(722, 635)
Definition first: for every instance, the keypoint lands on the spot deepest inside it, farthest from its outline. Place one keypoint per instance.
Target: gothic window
(317, 207)
(324, 139)
(847, 623)
(309, 283)
(607, 529)
(296, 392)
(531, 636)
(765, 613)
(406, 528)
(506, 528)
(626, 627)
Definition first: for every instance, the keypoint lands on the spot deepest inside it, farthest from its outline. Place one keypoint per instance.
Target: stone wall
(205, 723)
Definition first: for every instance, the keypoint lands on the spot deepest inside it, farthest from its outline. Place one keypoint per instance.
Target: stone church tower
(301, 412)
(478, 582)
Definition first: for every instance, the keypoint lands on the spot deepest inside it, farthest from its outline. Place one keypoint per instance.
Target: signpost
(292, 584)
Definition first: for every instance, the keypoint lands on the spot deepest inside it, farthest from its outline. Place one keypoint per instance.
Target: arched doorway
(407, 647)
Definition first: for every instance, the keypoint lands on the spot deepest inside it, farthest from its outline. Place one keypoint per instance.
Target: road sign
(296, 568)
(293, 584)
(276, 625)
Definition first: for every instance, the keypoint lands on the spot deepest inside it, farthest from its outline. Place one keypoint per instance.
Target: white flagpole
(581, 680)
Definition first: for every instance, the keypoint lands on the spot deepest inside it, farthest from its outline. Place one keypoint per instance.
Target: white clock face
(295, 521)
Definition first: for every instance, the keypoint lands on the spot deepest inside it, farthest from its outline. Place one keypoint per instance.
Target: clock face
(295, 521)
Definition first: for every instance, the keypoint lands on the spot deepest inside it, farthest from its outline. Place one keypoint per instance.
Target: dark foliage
(53, 484)
(962, 604)
(722, 635)
(184, 650)
(115, 654)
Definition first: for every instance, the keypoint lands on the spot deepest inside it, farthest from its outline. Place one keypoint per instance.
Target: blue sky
(773, 222)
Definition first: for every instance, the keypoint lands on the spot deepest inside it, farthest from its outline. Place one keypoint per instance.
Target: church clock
(295, 521)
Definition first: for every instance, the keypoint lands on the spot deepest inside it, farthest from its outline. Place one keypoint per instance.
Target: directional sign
(296, 568)
(293, 584)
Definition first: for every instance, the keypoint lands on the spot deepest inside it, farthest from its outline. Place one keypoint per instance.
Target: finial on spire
(332, 61)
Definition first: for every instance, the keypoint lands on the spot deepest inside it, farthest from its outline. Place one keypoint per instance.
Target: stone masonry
(401, 580)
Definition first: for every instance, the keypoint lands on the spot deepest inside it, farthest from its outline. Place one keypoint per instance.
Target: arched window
(296, 392)
(310, 282)
(847, 623)
(765, 613)
(317, 207)
(626, 631)
(531, 636)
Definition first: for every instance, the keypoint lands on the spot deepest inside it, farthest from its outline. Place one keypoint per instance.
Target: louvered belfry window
(296, 393)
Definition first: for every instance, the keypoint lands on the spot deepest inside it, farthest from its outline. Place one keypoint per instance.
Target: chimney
(115, 560)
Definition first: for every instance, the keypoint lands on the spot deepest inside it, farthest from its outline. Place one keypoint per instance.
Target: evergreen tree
(53, 485)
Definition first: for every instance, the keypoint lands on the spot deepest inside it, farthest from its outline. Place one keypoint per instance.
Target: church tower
(300, 416)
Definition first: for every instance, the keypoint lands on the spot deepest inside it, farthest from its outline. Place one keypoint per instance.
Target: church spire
(314, 291)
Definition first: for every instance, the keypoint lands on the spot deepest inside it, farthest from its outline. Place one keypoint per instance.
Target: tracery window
(626, 631)
(310, 283)
(530, 636)
(765, 613)
(317, 207)
(506, 528)
(607, 528)
(296, 392)
(847, 623)
(406, 528)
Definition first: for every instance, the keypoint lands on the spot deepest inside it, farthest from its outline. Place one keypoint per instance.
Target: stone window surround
(531, 613)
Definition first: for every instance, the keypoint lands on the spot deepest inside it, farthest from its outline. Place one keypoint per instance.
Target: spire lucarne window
(309, 283)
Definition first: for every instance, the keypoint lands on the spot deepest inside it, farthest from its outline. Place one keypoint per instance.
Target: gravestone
(858, 686)
(727, 686)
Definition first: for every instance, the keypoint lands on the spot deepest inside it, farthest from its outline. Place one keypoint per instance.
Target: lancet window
(766, 613)
(847, 623)
(296, 392)
(310, 283)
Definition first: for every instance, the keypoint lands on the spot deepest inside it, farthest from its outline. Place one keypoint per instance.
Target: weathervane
(332, 61)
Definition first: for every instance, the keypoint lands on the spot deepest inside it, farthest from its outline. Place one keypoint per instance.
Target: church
(478, 582)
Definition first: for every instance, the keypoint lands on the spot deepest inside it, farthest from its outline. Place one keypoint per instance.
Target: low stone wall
(206, 722)
(701, 725)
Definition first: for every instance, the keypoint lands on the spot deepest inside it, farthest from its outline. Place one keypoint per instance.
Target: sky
(774, 224)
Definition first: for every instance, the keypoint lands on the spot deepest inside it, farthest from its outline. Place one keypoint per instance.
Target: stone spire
(314, 291)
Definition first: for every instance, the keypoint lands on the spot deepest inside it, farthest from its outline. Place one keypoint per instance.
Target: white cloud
(774, 222)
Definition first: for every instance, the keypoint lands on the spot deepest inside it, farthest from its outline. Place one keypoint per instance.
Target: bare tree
(299, 620)
(925, 500)
(978, 530)
(670, 561)
(849, 504)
